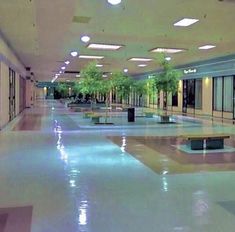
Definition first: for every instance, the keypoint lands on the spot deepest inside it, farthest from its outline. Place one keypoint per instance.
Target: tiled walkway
(65, 174)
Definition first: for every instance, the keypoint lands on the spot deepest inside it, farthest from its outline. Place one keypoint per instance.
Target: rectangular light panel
(185, 22)
(142, 65)
(104, 46)
(99, 65)
(90, 57)
(140, 59)
(167, 50)
(205, 47)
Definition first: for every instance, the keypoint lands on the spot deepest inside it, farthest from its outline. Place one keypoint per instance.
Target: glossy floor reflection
(80, 179)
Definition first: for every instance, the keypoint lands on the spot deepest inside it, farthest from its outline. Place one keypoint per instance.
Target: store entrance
(12, 99)
(184, 109)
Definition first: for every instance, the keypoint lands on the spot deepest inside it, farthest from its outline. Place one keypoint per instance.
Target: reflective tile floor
(61, 173)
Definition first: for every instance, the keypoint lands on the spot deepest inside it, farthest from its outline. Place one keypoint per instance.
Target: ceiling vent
(71, 72)
(81, 19)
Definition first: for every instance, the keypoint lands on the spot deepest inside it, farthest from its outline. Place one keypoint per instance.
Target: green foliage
(168, 80)
(145, 87)
(91, 79)
(140, 87)
(121, 83)
(63, 89)
(77, 87)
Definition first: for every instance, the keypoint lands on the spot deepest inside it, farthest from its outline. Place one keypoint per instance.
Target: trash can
(131, 114)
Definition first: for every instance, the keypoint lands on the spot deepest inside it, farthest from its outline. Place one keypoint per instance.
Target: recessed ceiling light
(140, 59)
(99, 65)
(125, 70)
(90, 57)
(167, 50)
(114, 2)
(104, 46)
(168, 58)
(67, 62)
(63, 68)
(74, 53)
(85, 39)
(205, 47)
(142, 65)
(185, 22)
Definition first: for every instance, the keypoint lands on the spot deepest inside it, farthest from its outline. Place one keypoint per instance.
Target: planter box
(149, 114)
(88, 114)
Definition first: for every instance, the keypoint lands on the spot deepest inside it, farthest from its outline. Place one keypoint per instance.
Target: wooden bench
(212, 141)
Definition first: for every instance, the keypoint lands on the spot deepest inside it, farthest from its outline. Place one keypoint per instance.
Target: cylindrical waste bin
(131, 114)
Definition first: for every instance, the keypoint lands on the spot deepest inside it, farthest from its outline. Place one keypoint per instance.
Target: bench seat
(212, 141)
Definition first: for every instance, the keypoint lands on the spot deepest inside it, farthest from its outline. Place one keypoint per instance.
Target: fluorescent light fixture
(99, 65)
(85, 39)
(104, 46)
(63, 68)
(206, 47)
(54, 79)
(185, 22)
(67, 62)
(114, 2)
(74, 53)
(140, 59)
(142, 65)
(90, 57)
(167, 50)
(125, 70)
(168, 58)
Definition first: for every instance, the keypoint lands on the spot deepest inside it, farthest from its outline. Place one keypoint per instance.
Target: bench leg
(214, 143)
(196, 144)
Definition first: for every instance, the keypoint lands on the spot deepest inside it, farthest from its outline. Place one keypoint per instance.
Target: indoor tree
(91, 80)
(62, 89)
(122, 84)
(167, 80)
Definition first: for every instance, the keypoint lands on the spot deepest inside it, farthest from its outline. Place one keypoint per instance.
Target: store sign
(189, 71)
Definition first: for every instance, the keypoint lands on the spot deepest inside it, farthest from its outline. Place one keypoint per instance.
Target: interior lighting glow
(206, 47)
(104, 75)
(60, 72)
(74, 53)
(99, 65)
(78, 75)
(140, 59)
(63, 68)
(125, 70)
(168, 58)
(114, 2)
(167, 50)
(142, 65)
(67, 62)
(85, 39)
(185, 22)
(90, 57)
(104, 46)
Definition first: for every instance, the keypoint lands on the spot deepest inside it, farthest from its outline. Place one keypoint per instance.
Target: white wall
(8, 59)
(4, 94)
